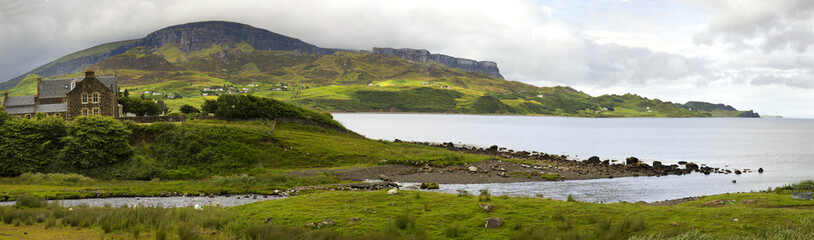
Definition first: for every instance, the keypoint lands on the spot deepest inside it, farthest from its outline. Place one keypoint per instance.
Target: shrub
(29, 145)
(570, 198)
(95, 141)
(484, 195)
(29, 202)
(188, 109)
(232, 107)
(404, 221)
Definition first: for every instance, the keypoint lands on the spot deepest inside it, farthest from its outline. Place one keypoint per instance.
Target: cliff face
(201, 35)
(421, 55)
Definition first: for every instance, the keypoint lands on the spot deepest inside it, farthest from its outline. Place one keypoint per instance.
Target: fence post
(272, 125)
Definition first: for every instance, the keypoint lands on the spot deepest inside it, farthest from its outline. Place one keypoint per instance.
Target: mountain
(189, 63)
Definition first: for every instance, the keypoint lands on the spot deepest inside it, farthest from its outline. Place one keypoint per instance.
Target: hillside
(189, 63)
(719, 110)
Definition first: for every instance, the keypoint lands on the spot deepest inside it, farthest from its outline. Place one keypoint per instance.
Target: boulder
(691, 166)
(631, 161)
(760, 170)
(429, 186)
(486, 207)
(738, 172)
(473, 169)
(682, 162)
(326, 223)
(592, 160)
(657, 164)
(384, 177)
(493, 222)
(606, 162)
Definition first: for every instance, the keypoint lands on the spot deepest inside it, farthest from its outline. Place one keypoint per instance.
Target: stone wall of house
(107, 98)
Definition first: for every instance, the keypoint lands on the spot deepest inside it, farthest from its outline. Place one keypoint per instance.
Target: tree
(95, 141)
(139, 106)
(188, 109)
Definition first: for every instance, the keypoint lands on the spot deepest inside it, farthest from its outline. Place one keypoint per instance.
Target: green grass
(408, 215)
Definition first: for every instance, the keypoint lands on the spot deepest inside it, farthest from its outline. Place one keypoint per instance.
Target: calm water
(783, 147)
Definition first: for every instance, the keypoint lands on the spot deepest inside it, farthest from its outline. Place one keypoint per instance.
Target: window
(84, 98)
(84, 111)
(95, 97)
(96, 111)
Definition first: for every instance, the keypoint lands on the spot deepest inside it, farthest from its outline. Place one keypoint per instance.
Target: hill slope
(189, 63)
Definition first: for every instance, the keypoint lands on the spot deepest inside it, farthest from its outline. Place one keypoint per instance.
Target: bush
(95, 141)
(233, 107)
(188, 109)
(29, 202)
(29, 145)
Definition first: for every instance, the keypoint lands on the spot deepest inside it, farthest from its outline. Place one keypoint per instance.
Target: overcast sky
(749, 54)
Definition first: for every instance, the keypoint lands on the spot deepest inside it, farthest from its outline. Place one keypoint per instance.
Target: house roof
(19, 101)
(59, 88)
(24, 109)
(51, 108)
(56, 88)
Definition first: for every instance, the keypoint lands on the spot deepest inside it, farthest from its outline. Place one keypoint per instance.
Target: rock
(384, 177)
(592, 160)
(486, 207)
(268, 220)
(631, 161)
(682, 162)
(311, 225)
(493, 222)
(657, 164)
(606, 162)
(429, 186)
(691, 166)
(327, 223)
(473, 169)
(733, 181)
(760, 170)
(738, 172)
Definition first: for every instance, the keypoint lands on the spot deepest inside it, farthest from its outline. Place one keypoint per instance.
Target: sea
(783, 147)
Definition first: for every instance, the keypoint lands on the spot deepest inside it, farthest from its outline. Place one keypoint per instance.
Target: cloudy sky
(751, 54)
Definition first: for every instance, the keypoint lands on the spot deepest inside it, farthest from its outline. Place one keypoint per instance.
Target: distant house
(69, 97)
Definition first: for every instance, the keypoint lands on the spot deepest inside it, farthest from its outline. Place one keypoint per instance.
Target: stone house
(68, 98)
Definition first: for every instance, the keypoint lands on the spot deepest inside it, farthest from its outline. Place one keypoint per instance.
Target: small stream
(167, 202)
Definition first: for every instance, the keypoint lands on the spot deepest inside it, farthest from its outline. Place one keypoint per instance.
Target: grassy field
(424, 215)
(292, 147)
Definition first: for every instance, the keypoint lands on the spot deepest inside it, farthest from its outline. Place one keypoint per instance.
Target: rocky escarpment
(421, 55)
(705, 106)
(201, 35)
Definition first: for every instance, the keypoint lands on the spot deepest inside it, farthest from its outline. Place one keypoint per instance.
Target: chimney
(39, 80)
(89, 73)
